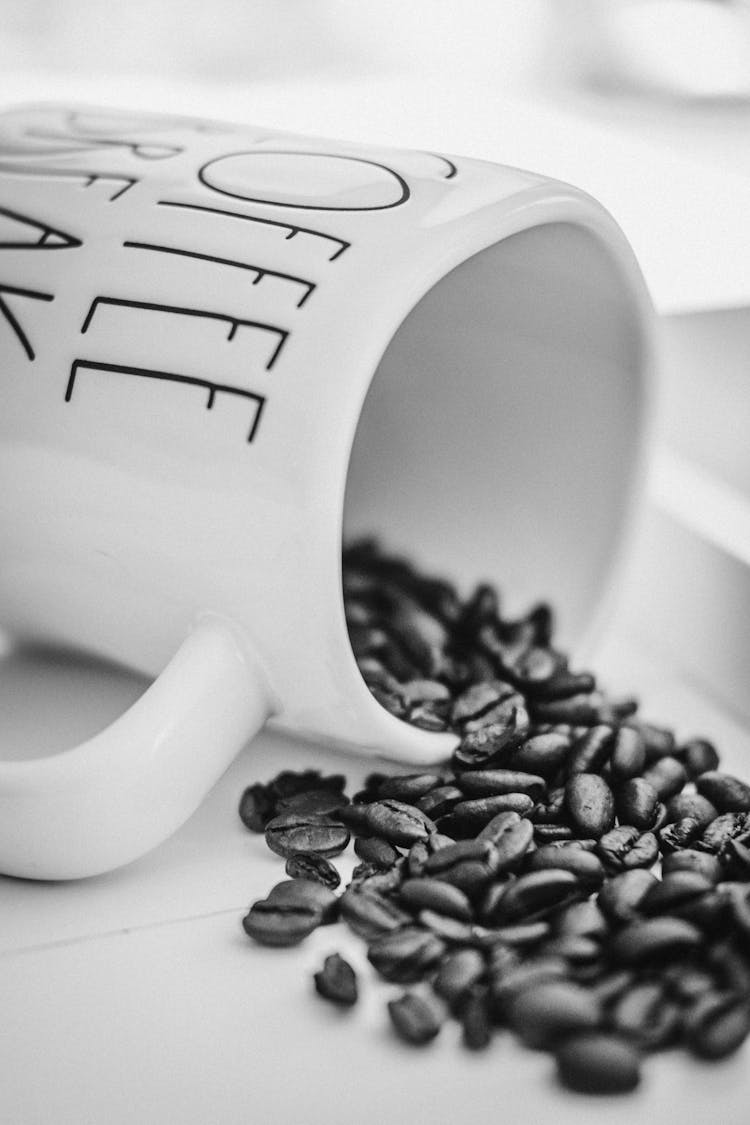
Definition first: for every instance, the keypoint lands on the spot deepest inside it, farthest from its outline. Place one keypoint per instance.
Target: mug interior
(500, 438)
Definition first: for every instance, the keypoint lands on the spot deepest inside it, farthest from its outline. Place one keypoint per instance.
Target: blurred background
(644, 103)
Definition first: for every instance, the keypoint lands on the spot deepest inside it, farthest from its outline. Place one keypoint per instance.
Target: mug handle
(114, 797)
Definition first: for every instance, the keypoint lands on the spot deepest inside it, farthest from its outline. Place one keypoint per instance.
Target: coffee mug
(222, 350)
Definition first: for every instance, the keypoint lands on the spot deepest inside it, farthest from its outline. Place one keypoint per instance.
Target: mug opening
(500, 438)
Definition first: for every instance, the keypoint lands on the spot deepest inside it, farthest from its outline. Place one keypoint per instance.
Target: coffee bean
(584, 709)
(726, 793)
(718, 1024)
(436, 895)
(507, 982)
(470, 816)
(311, 801)
(532, 896)
(552, 810)
(542, 754)
(548, 1011)
(598, 1063)
(305, 893)
(521, 935)
(636, 803)
(565, 685)
(581, 919)
(475, 1020)
(458, 971)
(373, 850)
(405, 955)
(667, 775)
(689, 860)
(659, 742)
(337, 981)
(297, 832)
(591, 751)
(397, 822)
(699, 756)
(492, 783)
(439, 801)
(468, 864)
(257, 806)
(651, 939)
(626, 847)
(620, 897)
(408, 787)
(674, 891)
(450, 930)
(691, 805)
(552, 833)
(727, 826)
(479, 698)
(628, 756)
(586, 866)
(370, 914)
(309, 865)
(289, 782)
(280, 923)
(483, 747)
(590, 804)
(416, 1018)
(680, 834)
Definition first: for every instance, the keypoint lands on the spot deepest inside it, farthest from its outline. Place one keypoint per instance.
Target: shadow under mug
(224, 349)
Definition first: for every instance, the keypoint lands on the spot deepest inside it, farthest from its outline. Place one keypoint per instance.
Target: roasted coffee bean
(544, 1013)
(257, 806)
(370, 914)
(699, 756)
(693, 805)
(451, 930)
(667, 775)
(659, 741)
(718, 1024)
(636, 803)
(628, 755)
(687, 859)
(468, 864)
(459, 970)
(598, 1063)
(542, 754)
(407, 787)
(532, 896)
(376, 880)
(565, 685)
(736, 859)
(314, 832)
(405, 955)
(288, 782)
(439, 801)
(434, 894)
(305, 893)
(337, 981)
(508, 981)
(493, 783)
(311, 801)
(625, 847)
(417, 1018)
(484, 747)
(476, 1025)
(585, 709)
(727, 826)
(620, 897)
(581, 919)
(280, 923)
(479, 698)
(552, 833)
(590, 804)
(651, 939)
(354, 816)
(680, 834)
(309, 865)
(397, 822)
(579, 951)
(591, 751)
(512, 836)
(674, 891)
(552, 810)
(726, 793)
(468, 817)
(586, 866)
(373, 850)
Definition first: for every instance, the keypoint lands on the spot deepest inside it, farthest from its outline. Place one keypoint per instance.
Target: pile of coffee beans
(573, 874)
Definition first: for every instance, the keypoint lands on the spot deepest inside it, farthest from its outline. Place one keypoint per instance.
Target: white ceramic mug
(221, 349)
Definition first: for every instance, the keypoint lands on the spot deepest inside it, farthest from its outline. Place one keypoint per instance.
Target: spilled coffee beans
(514, 886)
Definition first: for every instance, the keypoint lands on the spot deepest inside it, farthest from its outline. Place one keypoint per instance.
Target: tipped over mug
(224, 349)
